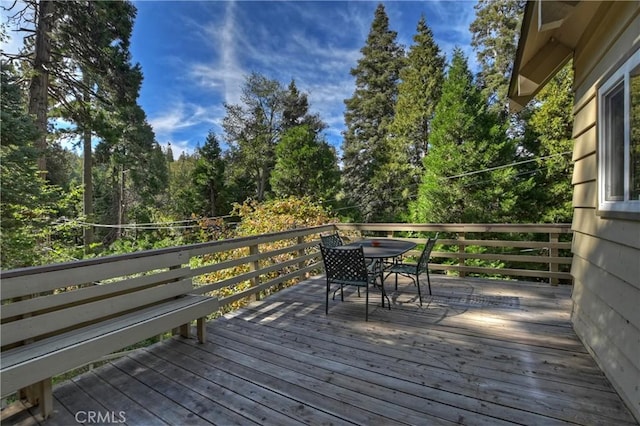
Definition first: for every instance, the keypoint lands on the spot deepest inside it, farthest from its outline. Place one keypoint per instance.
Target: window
(619, 139)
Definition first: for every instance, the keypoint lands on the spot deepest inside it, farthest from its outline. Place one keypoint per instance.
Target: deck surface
(478, 352)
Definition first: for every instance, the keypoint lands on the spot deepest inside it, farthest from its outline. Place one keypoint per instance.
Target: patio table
(379, 250)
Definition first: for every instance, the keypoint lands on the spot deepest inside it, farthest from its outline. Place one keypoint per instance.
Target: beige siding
(601, 50)
(606, 265)
(585, 170)
(585, 143)
(585, 195)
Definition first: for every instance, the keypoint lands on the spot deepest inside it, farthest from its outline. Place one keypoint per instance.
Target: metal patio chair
(332, 240)
(347, 266)
(414, 270)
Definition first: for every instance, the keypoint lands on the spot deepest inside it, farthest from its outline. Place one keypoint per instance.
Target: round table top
(387, 248)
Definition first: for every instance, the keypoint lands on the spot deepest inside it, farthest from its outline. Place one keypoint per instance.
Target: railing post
(254, 266)
(181, 330)
(553, 252)
(461, 259)
(301, 264)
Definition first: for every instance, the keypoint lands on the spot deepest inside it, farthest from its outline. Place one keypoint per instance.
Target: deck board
(477, 352)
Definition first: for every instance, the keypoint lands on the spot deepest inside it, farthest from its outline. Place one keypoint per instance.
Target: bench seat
(40, 360)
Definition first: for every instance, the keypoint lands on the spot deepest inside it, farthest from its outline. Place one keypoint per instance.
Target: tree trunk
(39, 86)
(87, 201)
(212, 199)
(121, 206)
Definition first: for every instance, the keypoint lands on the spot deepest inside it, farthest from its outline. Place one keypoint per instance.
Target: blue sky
(195, 55)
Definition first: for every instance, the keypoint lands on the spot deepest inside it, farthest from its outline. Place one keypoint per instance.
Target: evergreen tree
(81, 61)
(306, 166)
(549, 132)
(465, 141)
(296, 111)
(183, 200)
(495, 34)
(369, 112)
(418, 94)
(208, 177)
(24, 204)
(133, 172)
(169, 153)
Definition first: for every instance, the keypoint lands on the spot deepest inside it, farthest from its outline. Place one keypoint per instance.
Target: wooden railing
(533, 251)
(244, 267)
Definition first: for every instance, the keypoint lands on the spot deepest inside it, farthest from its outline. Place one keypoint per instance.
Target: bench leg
(184, 330)
(40, 394)
(202, 334)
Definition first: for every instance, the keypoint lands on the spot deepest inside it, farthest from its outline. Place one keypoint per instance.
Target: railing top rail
(229, 244)
(563, 228)
(191, 249)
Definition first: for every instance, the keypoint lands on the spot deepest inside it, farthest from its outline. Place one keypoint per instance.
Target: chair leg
(418, 284)
(366, 304)
(429, 281)
(326, 306)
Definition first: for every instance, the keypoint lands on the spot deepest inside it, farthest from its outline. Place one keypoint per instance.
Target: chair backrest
(344, 264)
(333, 240)
(423, 263)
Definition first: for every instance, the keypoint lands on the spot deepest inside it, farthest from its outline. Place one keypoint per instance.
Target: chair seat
(355, 283)
(403, 268)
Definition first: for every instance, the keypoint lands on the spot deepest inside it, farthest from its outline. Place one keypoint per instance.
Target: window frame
(626, 208)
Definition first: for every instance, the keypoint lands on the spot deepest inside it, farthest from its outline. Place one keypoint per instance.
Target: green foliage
(252, 130)
(296, 111)
(495, 34)
(306, 166)
(550, 127)
(368, 115)
(28, 203)
(465, 139)
(182, 199)
(208, 178)
(418, 94)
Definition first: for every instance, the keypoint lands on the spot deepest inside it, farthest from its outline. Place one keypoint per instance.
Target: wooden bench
(61, 317)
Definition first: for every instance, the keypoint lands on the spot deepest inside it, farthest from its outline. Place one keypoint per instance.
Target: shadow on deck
(477, 352)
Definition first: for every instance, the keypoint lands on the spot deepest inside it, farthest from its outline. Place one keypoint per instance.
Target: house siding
(606, 252)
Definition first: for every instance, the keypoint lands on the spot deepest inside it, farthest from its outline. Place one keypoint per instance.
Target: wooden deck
(477, 352)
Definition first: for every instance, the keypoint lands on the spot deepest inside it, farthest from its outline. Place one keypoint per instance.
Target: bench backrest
(46, 303)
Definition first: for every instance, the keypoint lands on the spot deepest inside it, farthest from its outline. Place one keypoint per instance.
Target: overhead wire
(169, 224)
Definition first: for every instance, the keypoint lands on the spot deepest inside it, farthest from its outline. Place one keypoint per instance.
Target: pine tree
(368, 115)
(418, 94)
(22, 193)
(296, 111)
(208, 177)
(466, 140)
(495, 38)
(550, 128)
(81, 61)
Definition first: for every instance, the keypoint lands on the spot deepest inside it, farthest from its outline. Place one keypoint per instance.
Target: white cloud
(182, 116)
(179, 147)
(316, 43)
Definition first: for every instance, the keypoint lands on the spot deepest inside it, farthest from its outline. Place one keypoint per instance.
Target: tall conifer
(418, 94)
(467, 142)
(368, 114)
